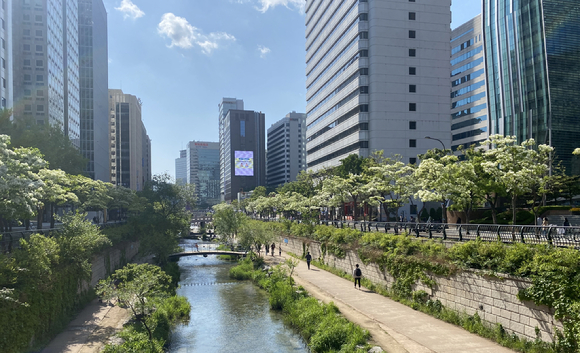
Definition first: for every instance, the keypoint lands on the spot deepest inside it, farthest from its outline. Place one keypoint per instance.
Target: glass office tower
(533, 67)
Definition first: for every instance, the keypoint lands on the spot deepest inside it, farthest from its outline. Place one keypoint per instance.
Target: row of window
(39, 108)
(39, 47)
(26, 32)
(38, 18)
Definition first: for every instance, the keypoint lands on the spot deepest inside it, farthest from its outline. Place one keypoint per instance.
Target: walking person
(267, 248)
(545, 226)
(357, 274)
(308, 259)
(280, 250)
(273, 247)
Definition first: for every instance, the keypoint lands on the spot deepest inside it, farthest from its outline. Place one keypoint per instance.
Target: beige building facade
(130, 146)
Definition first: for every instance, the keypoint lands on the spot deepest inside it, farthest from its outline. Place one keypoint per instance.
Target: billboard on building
(244, 163)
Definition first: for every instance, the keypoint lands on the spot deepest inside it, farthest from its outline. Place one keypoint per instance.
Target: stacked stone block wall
(110, 260)
(493, 298)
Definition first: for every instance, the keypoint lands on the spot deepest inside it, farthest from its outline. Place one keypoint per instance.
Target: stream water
(227, 315)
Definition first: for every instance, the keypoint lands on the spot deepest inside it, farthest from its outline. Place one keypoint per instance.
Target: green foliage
(149, 293)
(227, 221)
(321, 325)
(42, 280)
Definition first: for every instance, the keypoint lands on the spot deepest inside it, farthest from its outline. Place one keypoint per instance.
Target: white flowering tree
(440, 179)
(516, 167)
(57, 190)
(19, 181)
(391, 183)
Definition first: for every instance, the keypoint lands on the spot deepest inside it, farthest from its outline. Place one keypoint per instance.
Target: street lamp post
(432, 138)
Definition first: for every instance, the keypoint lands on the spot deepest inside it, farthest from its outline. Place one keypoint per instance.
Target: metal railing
(561, 236)
(11, 240)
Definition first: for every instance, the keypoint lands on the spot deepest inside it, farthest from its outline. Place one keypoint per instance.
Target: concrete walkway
(394, 326)
(90, 330)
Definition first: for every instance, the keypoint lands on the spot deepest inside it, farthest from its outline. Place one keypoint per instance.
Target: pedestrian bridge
(205, 253)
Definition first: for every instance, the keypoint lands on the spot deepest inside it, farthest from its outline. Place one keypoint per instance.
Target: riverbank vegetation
(554, 274)
(321, 325)
(149, 293)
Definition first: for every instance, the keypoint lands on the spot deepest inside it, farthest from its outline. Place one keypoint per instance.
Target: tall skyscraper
(130, 146)
(377, 78)
(286, 149)
(202, 166)
(94, 85)
(469, 119)
(46, 64)
(242, 151)
(6, 55)
(225, 106)
(533, 71)
(181, 168)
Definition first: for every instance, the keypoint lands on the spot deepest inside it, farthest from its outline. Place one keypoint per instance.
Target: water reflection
(227, 316)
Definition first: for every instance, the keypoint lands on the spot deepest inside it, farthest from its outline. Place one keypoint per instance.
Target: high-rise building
(533, 71)
(181, 168)
(225, 105)
(46, 64)
(130, 146)
(94, 85)
(242, 151)
(286, 149)
(202, 169)
(6, 55)
(469, 119)
(377, 78)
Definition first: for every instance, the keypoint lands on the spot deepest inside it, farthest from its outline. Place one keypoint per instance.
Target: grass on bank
(321, 325)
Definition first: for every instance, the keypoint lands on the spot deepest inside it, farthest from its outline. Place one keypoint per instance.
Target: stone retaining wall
(110, 260)
(493, 298)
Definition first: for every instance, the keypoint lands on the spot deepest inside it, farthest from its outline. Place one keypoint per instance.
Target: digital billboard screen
(244, 163)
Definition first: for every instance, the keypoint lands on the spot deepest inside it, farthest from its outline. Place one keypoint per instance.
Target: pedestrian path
(90, 330)
(404, 329)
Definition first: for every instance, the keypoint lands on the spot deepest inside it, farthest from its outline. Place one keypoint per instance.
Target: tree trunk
(52, 215)
(514, 201)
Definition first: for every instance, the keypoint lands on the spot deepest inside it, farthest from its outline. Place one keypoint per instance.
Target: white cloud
(130, 10)
(300, 5)
(263, 51)
(184, 35)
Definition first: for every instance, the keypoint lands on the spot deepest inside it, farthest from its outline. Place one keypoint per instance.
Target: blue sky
(182, 56)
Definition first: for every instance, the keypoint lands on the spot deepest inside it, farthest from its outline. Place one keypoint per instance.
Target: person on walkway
(545, 226)
(280, 249)
(196, 247)
(308, 259)
(273, 247)
(458, 222)
(357, 274)
(566, 222)
(267, 248)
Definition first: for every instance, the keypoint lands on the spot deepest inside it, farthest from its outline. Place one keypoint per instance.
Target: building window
(364, 53)
(26, 46)
(39, 93)
(412, 143)
(26, 17)
(411, 0)
(364, 89)
(363, 35)
(242, 128)
(412, 71)
(412, 34)
(364, 108)
(27, 92)
(39, 32)
(26, 32)
(40, 108)
(26, 62)
(364, 17)
(413, 160)
(39, 63)
(27, 77)
(412, 16)
(27, 107)
(39, 78)
(38, 18)
(412, 52)
(364, 71)
(412, 88)
(39, 48)
(412, 125)
(412, 107)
